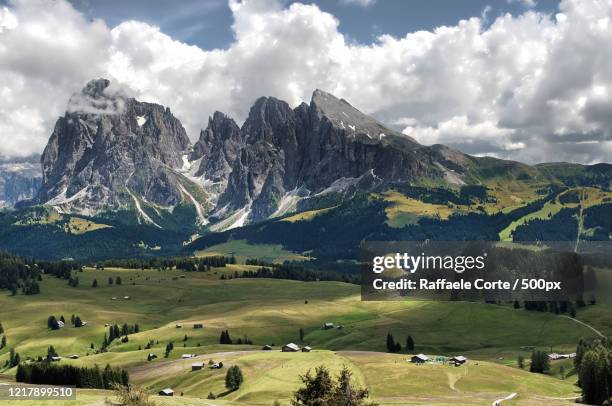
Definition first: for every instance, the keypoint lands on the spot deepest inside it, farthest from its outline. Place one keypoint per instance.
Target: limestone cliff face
(110, 150)
(217, 148)
(297, 153)
(108, 146)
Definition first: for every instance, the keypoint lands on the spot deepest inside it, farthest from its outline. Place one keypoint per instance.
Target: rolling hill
(271, 312)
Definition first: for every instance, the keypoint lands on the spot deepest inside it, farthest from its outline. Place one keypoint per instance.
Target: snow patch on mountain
(288, 202)
(237, 219)
(141, 213)
(202, 220)
(61, 198)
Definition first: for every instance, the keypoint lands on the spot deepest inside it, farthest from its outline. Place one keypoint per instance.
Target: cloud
(47, 51)
(532, 87)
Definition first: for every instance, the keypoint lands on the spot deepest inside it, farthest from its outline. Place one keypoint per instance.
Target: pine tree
(21, 375)
(16, 360)
(225, 338)
(78, 322)
(397, 347)
(390, 342)
(51, 353)
(3, 342)
(301, 334)
(409, 343)
(539, 362)
(521, 361)
(169, 348)
(118, 280)
(110, 280)
(1, 328)
(233, 378)
(52, 323)
(125, 377)
(591, 371)
(94, 284)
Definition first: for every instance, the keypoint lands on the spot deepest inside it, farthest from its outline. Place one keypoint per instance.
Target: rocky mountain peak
(268, 120)
(108, 148)
(328, 103)
(348, 118)
(96, 87)
(217, 148)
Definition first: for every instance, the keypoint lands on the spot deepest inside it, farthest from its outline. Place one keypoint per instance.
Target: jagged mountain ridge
(121, 178)
(111, 152)
(292, 156)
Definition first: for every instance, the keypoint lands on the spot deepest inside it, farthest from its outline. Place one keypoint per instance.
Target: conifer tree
(409, 343)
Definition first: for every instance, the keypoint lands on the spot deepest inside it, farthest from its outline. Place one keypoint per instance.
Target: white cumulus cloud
(532, 87)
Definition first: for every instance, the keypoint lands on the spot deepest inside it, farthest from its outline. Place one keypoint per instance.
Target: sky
(527, 80)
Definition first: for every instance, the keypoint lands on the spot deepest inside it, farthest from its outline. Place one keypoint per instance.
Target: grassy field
(272, 312)
(243, 250)
(404, 210)
(391, 379)
(575, 197)
(307, 215)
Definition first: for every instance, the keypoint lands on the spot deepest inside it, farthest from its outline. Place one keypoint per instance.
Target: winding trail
(585, 325)
(509, 397)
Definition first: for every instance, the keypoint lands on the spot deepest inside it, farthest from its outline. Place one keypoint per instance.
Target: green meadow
(244, 250)
(272, 312)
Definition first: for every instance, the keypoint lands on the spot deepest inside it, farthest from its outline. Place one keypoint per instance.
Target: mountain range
(110, 151)
(20, 179)
(113, 162)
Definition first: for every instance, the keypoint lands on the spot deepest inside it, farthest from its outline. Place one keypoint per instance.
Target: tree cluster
(184, 263)
(322, 389)
(539, 362)
(593, 363)
(115, 331)
(82, 377)
(225, 338)
(392, 345)
(297, 273)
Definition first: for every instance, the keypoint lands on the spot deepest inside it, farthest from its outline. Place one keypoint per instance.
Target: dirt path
(580, 221)
(585, 325)
(509, 397)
